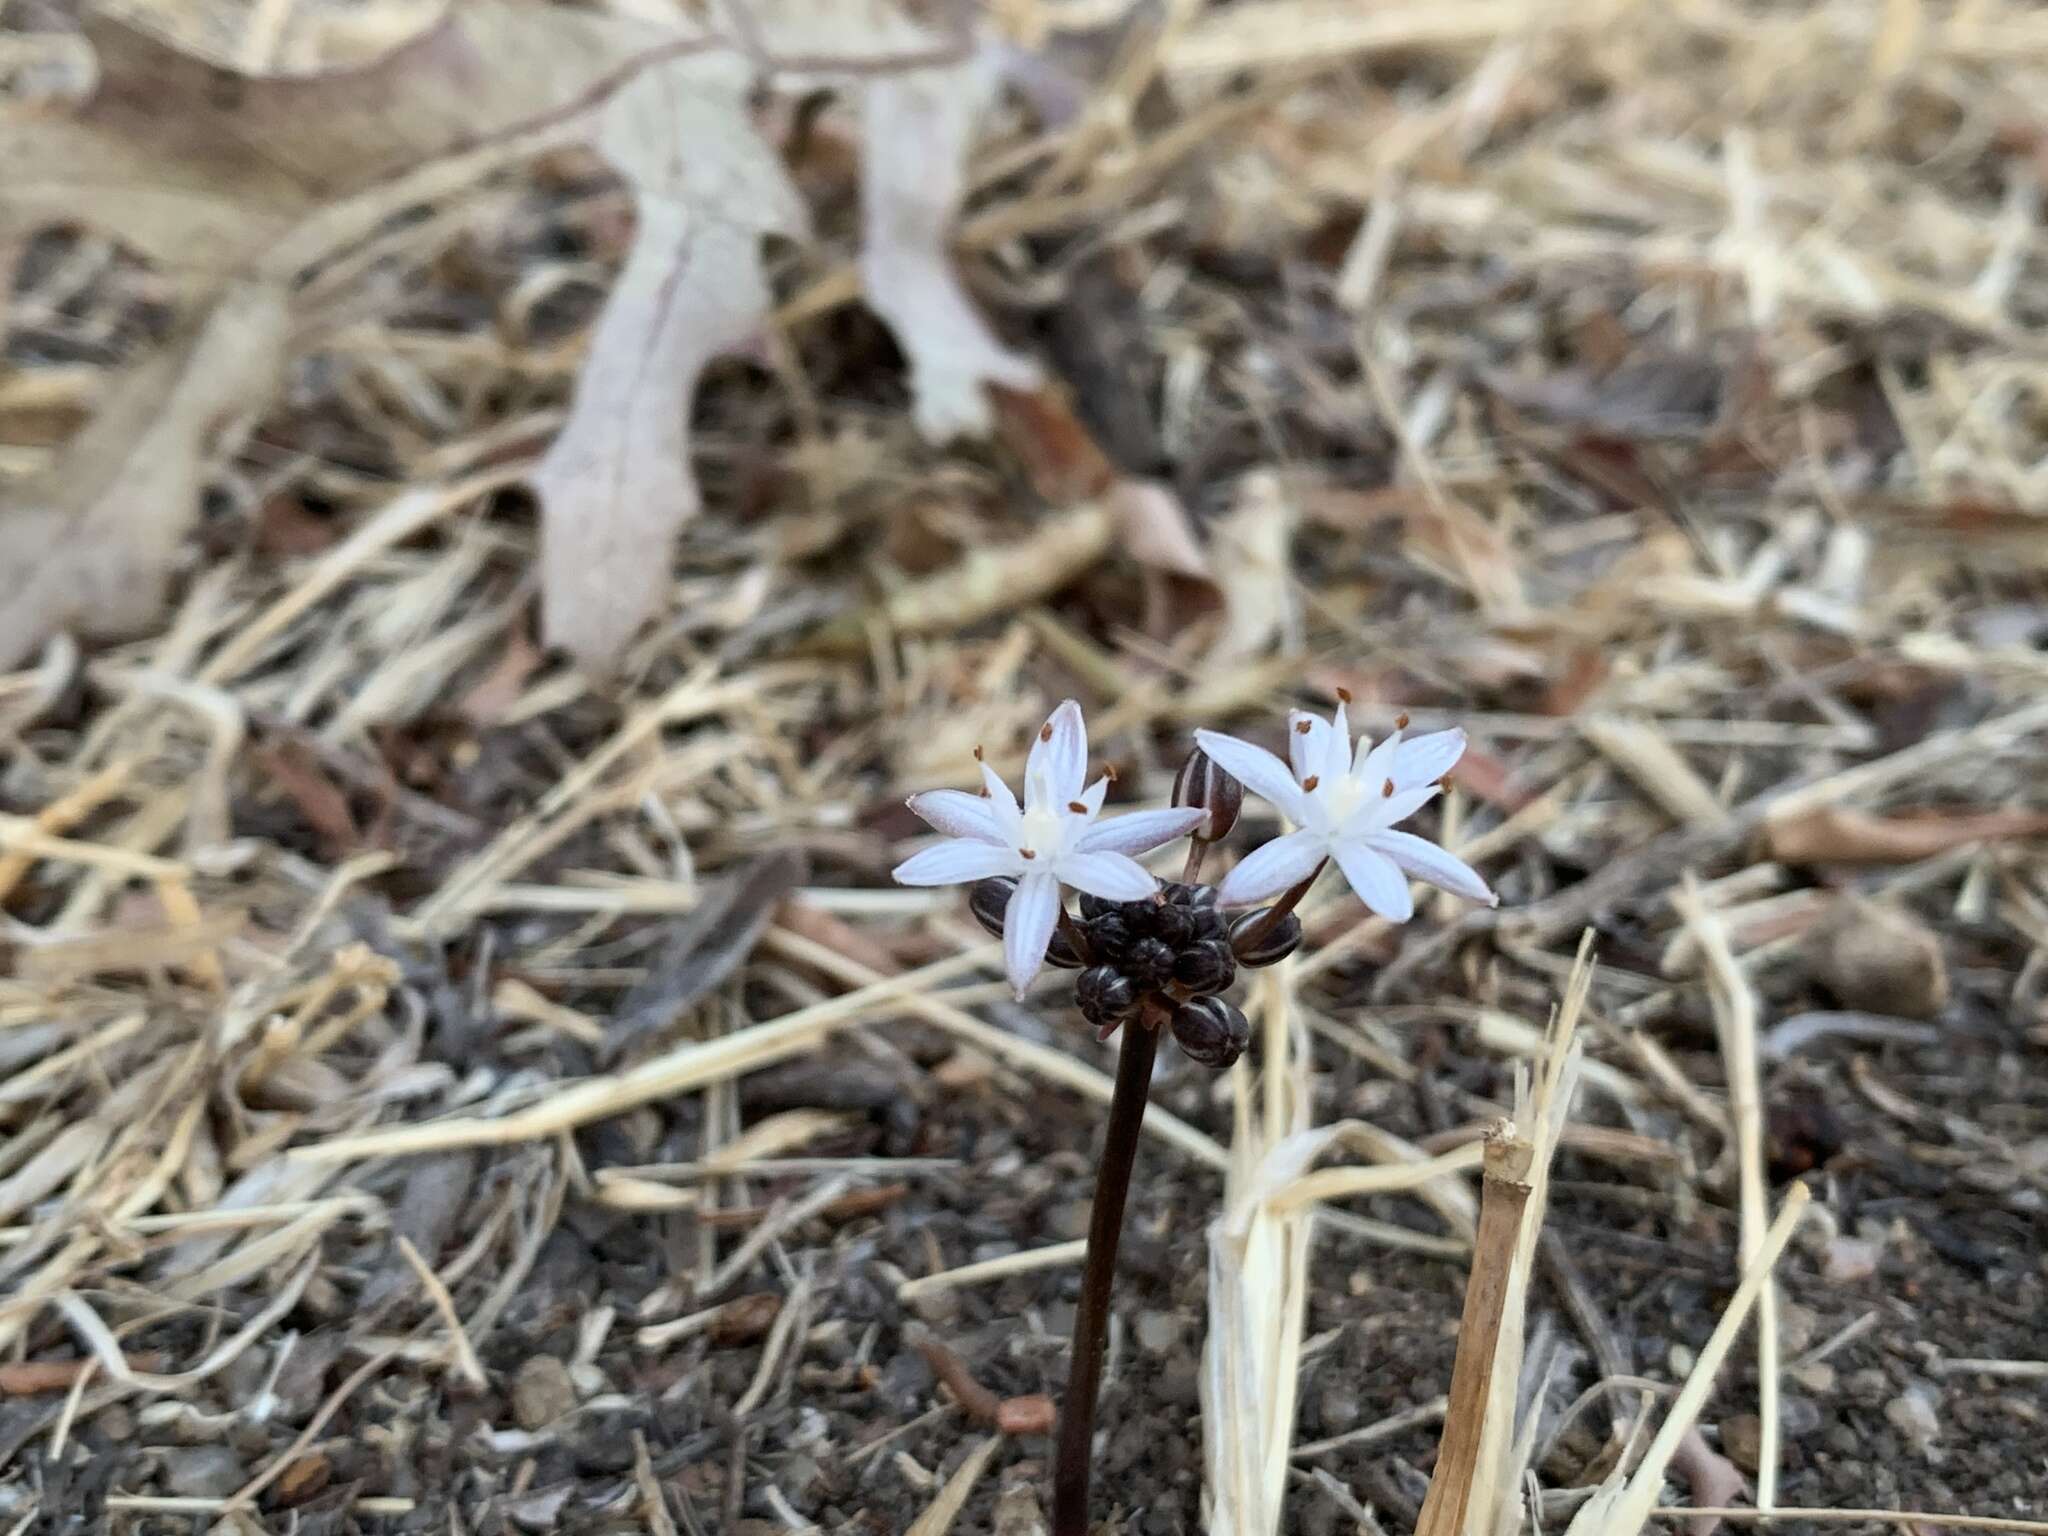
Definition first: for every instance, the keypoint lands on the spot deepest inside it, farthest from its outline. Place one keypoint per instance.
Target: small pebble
(203, 1472)
(542, 1392)
(1742, 1440)
(1158, 1332)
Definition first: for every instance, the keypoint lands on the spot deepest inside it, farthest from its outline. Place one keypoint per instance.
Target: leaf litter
(388, 1001)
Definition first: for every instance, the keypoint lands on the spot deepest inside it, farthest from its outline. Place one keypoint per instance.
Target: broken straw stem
(1504, 1194)
(1072, 1460)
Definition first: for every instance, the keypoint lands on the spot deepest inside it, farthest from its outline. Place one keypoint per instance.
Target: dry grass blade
(1620, 1508)
(1735, 1021)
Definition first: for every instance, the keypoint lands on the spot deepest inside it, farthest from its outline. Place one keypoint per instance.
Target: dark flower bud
(1095, 906)
(1061, 951)
(1253, 947)
(1211, 924)
(1149, 962)
(1108, 935)
(1174, 925)
(1211, 1031)
(989, 899)
(1205, 966)
(1201, 784)
(1195, 897)
(1105, 994)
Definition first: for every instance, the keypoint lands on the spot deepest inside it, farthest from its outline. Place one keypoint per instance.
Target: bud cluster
(1159, 961)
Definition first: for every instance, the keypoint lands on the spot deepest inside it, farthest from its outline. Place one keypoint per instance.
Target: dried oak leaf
(175, 154)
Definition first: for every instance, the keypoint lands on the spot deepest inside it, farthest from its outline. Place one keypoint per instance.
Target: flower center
(1044, 831)
(1340, 796)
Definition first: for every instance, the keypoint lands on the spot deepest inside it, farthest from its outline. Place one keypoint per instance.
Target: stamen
(1109, 772)
(1077, 808)
(1311, 781)
(1344, 695)
(977, 751)
(1401, 722)
(984, 793)
(1027, 853)
(1387, 792)
(1301, 727)
(1045, 731)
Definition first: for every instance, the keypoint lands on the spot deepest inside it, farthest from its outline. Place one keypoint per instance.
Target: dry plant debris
(445, 1089)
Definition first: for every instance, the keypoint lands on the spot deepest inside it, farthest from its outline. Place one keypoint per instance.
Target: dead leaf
(1254, 544)
(177, 154)
(1832, 834)
(918, 127)
(1155, 530)
(617, 485)
(704, 946)
(87, 543)
(1060, 455)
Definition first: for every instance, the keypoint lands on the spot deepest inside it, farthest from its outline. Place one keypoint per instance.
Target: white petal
(1423, 860)
(1307, 736)
(1060, 752)
(1002, 804)
(1379, 810)
(1272, 868)
(1028, 923)
(1377, 766)
(1112, 876)
(1427, 758)
(1337, 749)
(1138, 831)
(1379, 884)
(1091, 797)
(956, 861)
(1254, 767)
(957, 814)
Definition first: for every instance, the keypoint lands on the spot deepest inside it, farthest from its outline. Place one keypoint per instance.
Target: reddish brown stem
(1074, 1458)
(1075, 937)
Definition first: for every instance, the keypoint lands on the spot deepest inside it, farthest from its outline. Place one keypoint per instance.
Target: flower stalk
(1154, 959)
(1073, 1460)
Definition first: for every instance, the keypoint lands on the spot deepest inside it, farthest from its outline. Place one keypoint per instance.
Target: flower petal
(1379, 809)
(1272, 868)
(956, 861)
(1028, 923)
(1423, 860)
(1377, 766)
(1002, 804)
(1337, 746)
(1060, 752)
(1307, 736)
(1427, 758)
(1138, 831)
(1092, 797)
(1112, 876)
(1379, 884)
(1257, 769)
(957, 814)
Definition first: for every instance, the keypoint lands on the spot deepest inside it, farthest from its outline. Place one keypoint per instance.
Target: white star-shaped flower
(1344, 804)
(1052, 840)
